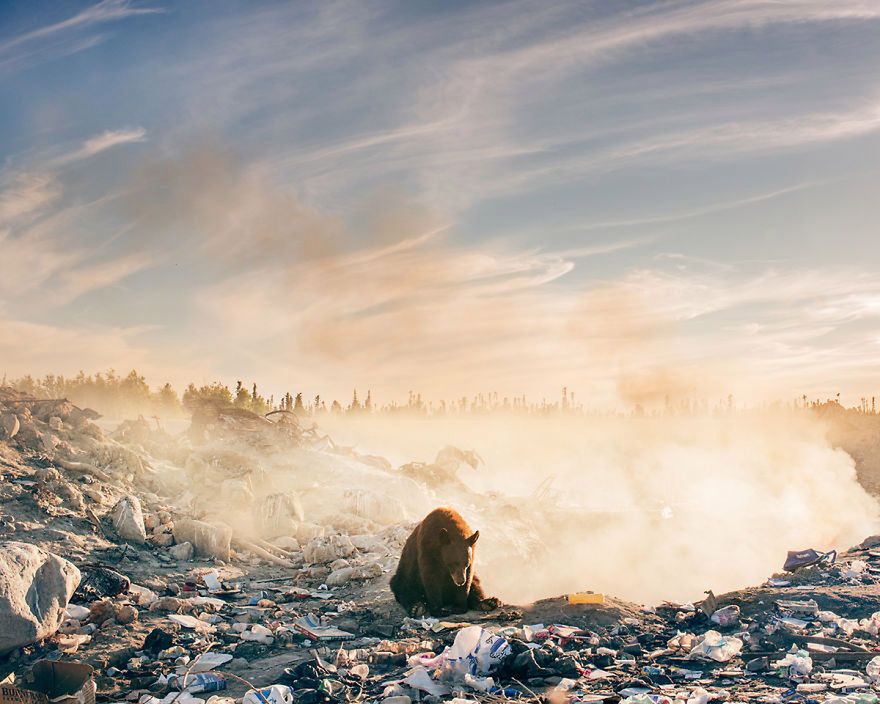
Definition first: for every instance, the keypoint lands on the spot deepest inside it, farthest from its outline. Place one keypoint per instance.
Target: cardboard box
(52, 682)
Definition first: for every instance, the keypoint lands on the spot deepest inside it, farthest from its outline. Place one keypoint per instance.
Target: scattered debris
(155, 568)
(798, 559)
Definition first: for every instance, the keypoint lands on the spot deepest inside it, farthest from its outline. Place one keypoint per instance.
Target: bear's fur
(436, 568)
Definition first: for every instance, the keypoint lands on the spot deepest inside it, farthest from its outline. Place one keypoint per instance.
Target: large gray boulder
(128, 519)
(9, 426)
(208, 539)
(35, 587)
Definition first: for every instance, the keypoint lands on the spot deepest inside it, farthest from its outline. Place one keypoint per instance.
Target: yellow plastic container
(586, 598)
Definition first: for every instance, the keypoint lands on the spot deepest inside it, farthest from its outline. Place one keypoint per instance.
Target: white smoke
(641, 508)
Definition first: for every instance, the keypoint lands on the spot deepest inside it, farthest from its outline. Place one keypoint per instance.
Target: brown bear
(436, 569)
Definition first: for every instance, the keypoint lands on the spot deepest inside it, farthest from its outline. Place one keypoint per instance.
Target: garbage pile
(243, 560)
(811, 636)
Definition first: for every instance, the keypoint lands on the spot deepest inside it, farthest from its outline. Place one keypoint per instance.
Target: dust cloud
(646, 509)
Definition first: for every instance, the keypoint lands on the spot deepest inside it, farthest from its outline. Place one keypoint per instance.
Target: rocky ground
(242, 549)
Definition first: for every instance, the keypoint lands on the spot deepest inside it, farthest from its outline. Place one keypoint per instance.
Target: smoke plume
(642, 508)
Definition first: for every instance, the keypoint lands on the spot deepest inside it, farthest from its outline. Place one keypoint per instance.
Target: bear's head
(457, 553)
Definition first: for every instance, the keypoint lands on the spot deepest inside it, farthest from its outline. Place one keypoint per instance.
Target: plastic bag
(699, 696)
(727, 616)
(871, 624)
(646, 699)
(258, 634)
(481, 684)
(716, 647)
(419, 678)
(173, 698)
(853, 698)
(798, 662)
(273, 694)
(855, 569)
(475, 651)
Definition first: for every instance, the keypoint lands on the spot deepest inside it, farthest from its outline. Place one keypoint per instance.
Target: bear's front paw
(490, 604)
(418, 610)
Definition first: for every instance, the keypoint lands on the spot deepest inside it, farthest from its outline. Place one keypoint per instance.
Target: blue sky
(630, 198)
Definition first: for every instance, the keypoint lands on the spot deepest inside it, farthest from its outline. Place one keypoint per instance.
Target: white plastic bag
(798, 662)
(258, 634)
(475, 651)
(419, 678)
(728, 616)
(853, 698)
(646, 699)
(481, 684)
(872, 624)
(191, 622)
(699, 696)
(274, 694)
(855, 569)
(716, 647)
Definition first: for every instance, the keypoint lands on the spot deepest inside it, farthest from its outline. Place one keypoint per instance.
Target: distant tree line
(108, 392)
(117, 396)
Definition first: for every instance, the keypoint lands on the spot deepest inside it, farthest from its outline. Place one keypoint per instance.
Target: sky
(631, 199)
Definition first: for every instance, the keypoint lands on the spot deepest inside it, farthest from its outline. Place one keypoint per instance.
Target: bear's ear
(473, 538)
(443, 536)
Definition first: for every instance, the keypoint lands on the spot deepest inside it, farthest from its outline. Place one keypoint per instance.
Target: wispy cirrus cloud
(723, 141)
(47, 263)
(693, 213)
(25, 193)
(35, 225)
(460, 121)
(64, 37)
(104, 11)
(76, 281)
(100, 143)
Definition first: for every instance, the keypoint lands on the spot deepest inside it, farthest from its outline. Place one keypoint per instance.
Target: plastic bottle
(201, 682)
